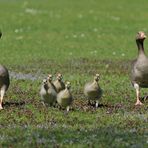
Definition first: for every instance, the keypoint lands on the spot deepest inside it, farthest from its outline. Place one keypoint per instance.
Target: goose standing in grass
(64, 97)
(93, 91)
(58, 83)
(139, 71)
(47, 92)
(4, 83)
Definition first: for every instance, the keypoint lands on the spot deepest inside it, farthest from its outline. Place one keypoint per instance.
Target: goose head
(68, 85)
(59, 77)
(140, 36)
(96, 77)
(49, 78)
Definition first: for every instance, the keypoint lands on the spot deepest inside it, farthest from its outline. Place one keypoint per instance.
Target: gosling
(64, 97)
(93, 91)
(48, 93)
(58, 83)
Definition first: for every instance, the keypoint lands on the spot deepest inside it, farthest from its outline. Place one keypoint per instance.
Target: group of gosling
(58, 92)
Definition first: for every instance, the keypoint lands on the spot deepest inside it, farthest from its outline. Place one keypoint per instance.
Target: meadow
(77, 38)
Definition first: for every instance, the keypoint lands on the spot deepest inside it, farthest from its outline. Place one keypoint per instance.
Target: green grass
(78, 39)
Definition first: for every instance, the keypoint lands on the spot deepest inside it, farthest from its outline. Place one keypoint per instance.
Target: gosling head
(49, 78)
(68, 85)
(140, 36)
(59, 77)
(45, 83)
(97, 77)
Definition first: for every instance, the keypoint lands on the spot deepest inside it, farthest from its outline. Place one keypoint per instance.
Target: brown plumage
(4, 83)
(139, 70)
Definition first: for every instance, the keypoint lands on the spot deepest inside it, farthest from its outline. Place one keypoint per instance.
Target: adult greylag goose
(4, 83)
(58, 83)
(48, 92)
(64, 97)
(93, 91)
(139, 70)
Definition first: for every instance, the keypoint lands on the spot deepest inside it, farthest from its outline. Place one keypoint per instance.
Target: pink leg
(138, 102)
(2, 92)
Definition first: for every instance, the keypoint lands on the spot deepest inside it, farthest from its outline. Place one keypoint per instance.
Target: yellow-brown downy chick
(93, 91)
(58, 83)
(64, 97)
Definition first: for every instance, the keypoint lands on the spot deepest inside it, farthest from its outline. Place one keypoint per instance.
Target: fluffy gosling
(48, 93)
(58, 83)
(64, 97)
(93, 91)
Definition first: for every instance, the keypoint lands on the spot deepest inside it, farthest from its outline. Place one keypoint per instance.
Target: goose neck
(140, 46)
(95, 82)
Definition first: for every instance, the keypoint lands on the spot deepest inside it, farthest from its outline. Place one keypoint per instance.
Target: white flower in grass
(70, 53)
(31, 11)
(74, 36)
(93, 52)
(95, 29)
(123, 54)
(82, 35)
(115, 18)
(16, 30)
(114, 53)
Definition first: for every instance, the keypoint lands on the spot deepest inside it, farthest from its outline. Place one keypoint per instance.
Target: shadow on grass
(14, 103)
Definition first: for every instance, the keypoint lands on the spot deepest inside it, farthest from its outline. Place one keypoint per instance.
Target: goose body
(93, 91)
(64, 97)
(139, 70)
(58, 83)
(4, 82)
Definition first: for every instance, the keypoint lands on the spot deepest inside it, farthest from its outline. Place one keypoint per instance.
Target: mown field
(78, 38)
